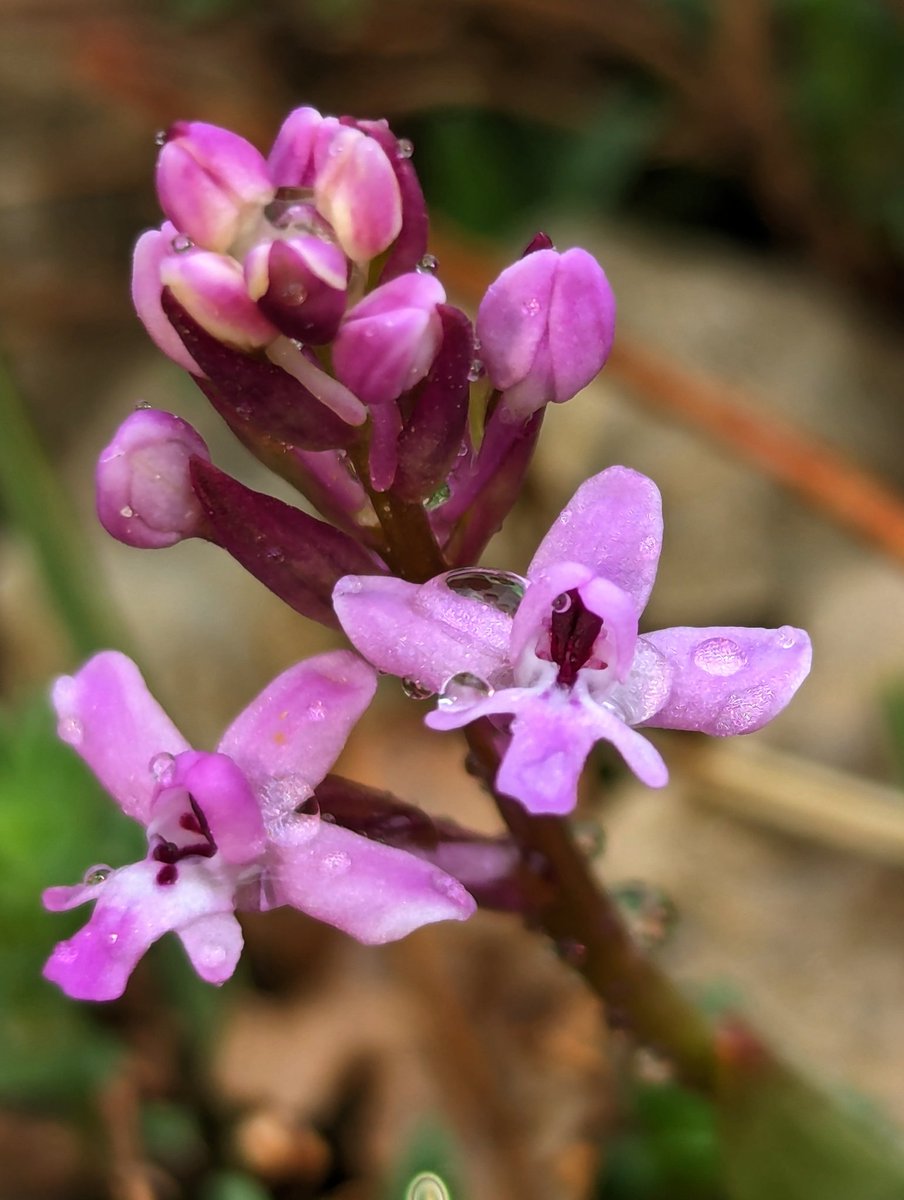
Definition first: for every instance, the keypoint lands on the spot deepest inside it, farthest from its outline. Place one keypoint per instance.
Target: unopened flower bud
(356, 189)
(144, 493)
(291, 160)
(546, 327)
(300, 284)
(389, 340)
(211, 288)
(210, 182)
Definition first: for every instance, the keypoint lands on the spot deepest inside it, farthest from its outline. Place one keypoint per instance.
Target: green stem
(410, 547)
(37, 504)
(585, 923)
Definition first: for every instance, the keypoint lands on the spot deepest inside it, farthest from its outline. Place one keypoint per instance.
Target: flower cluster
(298, 292)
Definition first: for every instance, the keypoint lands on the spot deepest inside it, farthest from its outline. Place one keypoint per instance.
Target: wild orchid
(297, 291)
(232, 829)
(559, 650)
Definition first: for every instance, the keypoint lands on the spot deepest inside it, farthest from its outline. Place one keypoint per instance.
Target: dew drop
(275, 554)
(446, 886)
(648, 912)
(71, 730)
(161, 137)
(787, 637)
(416, 691)
(428, 265)
(97, 874)
(405, 148)
(463, 688)
(127, 511)
(499, 589)
(531, 307)
(161, 767)
(562, 603)
(719, 656)
(476, 370)
(293, 294)
(564, 517)
(143, 404)
(335, 864)
(112, 938)
(317, 710)
(181, 243)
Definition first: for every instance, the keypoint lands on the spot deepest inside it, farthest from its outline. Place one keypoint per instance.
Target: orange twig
(816, 472)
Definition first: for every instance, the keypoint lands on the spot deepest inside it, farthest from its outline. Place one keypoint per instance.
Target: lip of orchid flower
(228, 828)
(559, 651)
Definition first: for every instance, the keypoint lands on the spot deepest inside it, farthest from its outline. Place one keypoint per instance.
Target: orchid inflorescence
(299, 293)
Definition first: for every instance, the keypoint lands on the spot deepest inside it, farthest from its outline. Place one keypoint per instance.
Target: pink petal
(110, 718)
(373, 892)
(551, 738)
(291, 734)
(729, 680)
(612, 524)
(214, 946)
(425, 633)
(131, 913)
(150, 250)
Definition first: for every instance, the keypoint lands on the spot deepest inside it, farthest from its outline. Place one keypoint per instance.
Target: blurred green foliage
(54, 824)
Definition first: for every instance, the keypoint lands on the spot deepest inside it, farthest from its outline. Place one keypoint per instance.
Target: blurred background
(737, 167)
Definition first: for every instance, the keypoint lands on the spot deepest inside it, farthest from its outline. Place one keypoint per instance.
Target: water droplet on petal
(181, 243)
(531, 307)
(463, 688)
(475, 370)
(112, 938)
(416, 691)
(97, 874)
(162, 766)
(564, 517)
(71, 730)
(405, 148)
(746, 710)
(499, 589)
(719, 656)
(284, 794)
(161, 137)
(127, 511)
(317, 710)
(787, 637)
(275, 554)
(562, 603)
(447, 886)
(143, 404)
(293, 294)
(648, 912)
(334, 864)
(428, 265)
